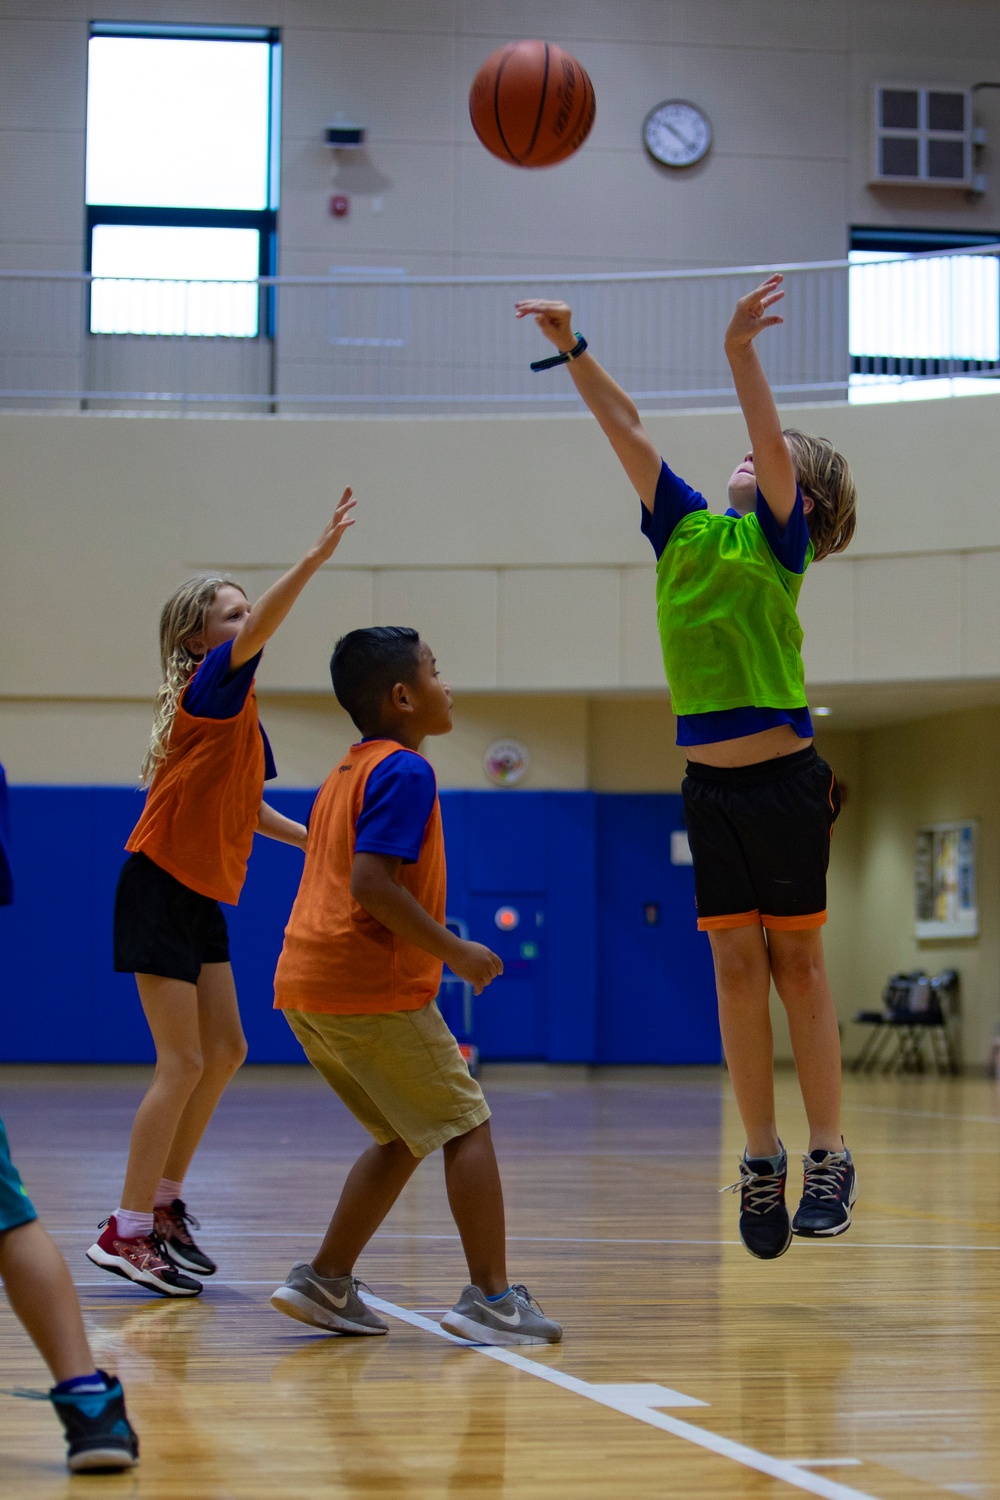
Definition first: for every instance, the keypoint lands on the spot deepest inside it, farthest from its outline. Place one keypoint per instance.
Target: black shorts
(162, 927)
(760, 840)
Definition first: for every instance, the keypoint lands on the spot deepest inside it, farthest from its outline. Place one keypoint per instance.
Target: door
(656, 990)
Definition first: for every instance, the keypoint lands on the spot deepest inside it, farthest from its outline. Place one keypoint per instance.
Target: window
(181, 184)
(927, 326)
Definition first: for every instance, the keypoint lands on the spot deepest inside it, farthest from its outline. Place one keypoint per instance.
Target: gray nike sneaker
(326, 1302)
(515, 1319)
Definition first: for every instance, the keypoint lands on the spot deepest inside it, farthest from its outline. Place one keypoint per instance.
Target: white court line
(825, 1463)
(612, 1397)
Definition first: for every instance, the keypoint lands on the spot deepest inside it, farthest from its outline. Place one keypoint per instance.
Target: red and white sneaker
(170, 1226)
(141, 1260)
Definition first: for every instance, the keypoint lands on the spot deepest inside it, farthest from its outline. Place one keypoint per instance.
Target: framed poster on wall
(944, 881)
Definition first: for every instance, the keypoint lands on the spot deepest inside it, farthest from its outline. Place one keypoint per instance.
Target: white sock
(167, 1192)
(130, 1225)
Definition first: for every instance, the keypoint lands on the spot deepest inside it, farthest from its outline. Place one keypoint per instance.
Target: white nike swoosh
(512, 1318)
(340, 1302)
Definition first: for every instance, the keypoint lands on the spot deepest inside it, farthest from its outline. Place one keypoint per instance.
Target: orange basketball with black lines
(532, 104)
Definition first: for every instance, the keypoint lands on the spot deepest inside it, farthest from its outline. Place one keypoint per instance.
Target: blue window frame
(182, 178)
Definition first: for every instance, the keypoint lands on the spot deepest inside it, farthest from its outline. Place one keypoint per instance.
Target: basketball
(532, 104)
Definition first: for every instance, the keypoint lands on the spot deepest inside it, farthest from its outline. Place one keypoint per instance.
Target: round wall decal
(506, 762)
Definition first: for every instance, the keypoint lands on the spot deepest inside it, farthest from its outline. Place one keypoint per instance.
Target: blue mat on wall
(588, 976)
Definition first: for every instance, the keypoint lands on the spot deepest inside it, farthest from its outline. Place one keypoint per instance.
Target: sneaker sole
(302, 1308)
(177, 1257)
(101, 1459)
(823, 1234)
(120, 1267)
(479, 1333)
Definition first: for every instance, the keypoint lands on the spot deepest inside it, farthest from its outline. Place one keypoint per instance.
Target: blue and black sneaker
(99, 1436)
(829, 1190)
(764, 1226)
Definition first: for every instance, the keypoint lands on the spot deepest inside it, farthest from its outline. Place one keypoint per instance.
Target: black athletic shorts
(760, 840)
(162, 927)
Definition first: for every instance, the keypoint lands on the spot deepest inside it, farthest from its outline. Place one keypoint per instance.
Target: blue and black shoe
(99, 1436)
(829, 1191)
(764, 1226)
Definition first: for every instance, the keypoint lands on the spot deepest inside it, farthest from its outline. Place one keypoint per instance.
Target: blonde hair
(825, 477)
(183, 616)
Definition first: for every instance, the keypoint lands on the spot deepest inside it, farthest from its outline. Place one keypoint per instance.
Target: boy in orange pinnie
(357, 980)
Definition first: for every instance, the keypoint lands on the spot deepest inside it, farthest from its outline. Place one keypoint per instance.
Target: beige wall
(513, 544)
(941, 769)
(786, 84)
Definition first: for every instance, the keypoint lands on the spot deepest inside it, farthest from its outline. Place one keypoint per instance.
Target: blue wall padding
(587, 977)
(657, 992)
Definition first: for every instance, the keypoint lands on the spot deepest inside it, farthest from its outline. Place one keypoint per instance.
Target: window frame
(913, 242)
(264, 220)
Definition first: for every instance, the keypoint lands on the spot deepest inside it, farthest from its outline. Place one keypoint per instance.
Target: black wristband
(562, 359)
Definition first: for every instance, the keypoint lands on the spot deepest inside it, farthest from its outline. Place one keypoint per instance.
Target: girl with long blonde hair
(205, 769)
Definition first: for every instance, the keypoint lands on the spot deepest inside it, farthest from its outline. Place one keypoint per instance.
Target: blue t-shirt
(6, 873)
(399, 798)
(218, 692)
(673, 501)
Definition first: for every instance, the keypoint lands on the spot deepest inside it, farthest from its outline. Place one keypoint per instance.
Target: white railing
(384, 342)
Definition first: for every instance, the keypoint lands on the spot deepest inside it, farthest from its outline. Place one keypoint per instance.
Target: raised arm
(272, 606)
(613, 408)
(772, 461)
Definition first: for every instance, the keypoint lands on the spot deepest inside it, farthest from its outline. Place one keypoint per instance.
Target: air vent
(923, 135)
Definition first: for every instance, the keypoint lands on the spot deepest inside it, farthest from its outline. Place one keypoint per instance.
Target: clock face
(676, 133)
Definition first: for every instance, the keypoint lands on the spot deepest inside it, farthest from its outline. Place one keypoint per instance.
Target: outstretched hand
(554, 319)
(749, 318)
(342, 519)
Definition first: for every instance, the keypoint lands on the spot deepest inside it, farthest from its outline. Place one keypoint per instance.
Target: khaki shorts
(400, 1074)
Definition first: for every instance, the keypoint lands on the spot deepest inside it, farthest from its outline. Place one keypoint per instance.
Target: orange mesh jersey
(336, 958)
(204, 801)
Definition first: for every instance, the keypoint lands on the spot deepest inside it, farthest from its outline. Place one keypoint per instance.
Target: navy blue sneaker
(764, 1226)
(99, 1436)
(829, 1191)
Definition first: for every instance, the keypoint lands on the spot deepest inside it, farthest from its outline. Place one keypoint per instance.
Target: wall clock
(676, 133)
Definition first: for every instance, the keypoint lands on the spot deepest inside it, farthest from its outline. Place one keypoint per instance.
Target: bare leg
(476, 1198)
(43, 1297)
(373, 1184)
(743, 981)
(800, 979)
(171, 1008)
(223, 1050)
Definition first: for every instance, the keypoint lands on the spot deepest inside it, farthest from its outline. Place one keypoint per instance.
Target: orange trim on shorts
(733, 919)
(795, 924)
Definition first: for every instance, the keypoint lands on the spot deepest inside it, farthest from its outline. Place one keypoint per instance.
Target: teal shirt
(726, 614)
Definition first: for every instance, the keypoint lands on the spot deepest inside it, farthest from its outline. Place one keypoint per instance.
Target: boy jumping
(357, 980)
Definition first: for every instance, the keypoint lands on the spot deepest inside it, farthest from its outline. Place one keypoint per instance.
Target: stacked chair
(915, 1031)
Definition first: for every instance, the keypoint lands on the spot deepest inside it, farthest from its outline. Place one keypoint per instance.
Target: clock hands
(688, 145)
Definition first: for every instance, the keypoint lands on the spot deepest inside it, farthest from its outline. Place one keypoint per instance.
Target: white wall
(786, 84)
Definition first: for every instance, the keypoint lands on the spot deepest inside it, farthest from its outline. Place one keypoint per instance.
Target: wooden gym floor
(868, 1367)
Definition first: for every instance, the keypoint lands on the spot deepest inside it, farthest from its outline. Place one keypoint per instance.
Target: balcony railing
(380, 341)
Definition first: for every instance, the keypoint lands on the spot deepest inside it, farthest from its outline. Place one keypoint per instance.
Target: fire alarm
(340, 205)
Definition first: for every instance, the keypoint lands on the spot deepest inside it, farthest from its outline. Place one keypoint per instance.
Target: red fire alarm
(340, 205)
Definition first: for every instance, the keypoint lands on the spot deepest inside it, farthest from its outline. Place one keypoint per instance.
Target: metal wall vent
(923, 135)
